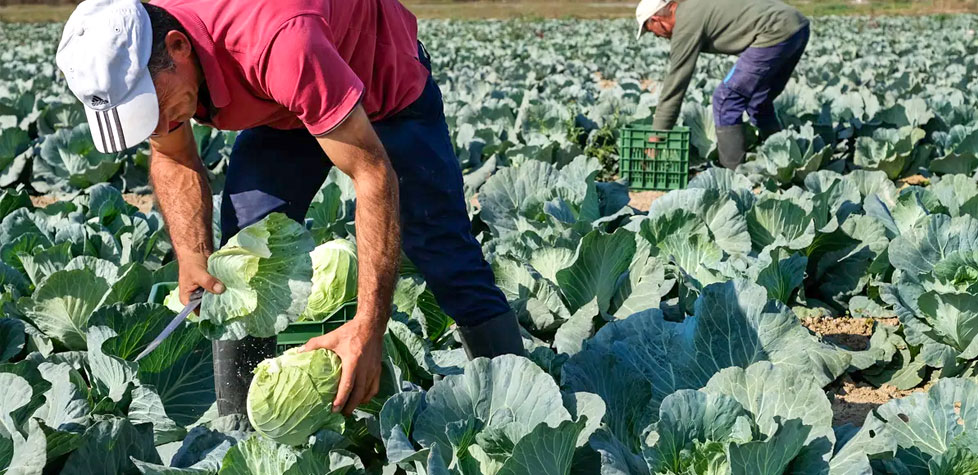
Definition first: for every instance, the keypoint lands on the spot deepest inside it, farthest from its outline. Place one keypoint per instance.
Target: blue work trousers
(756, 80)
(281, 170)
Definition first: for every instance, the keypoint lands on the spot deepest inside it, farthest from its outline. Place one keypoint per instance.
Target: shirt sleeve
(306, 74)
(684, 51)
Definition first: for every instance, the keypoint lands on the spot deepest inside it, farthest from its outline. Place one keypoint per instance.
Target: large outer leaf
(267, 274)
(396, 421)
(14, 155)
(202, 450)
(789, 156)
(782, 275)
(954, 317)
(775, 395)
(735, 324)
(258, 455)
(958, 271)
(688, 417)
(12, 200)
(506, 392)
(545, 450)
(601, 260)
(63, 303)
(45, 261)
(112, 377)
(905, 434)
(68, 161)
(888, 150)
(625, 391)
(715, 426)
(782, 222)
(954, 191)
(775, 455)
(714, 208)
(930, 293)
(12, 338)
(918, 250)
(180, 369)
(146, 406)
(17, 394)
(720, 179)
(65, 405)
(513, 190)
(109, 447)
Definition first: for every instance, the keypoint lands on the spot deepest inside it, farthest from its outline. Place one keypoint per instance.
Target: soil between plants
(853, 400)
(642, 200)
(143, 202)
(849, 332)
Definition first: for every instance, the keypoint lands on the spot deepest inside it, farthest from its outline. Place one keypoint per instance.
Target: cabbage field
(671, 340)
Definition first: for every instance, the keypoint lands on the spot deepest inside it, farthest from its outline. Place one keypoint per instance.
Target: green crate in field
(645, 165)
(299, 333)
(159, 291)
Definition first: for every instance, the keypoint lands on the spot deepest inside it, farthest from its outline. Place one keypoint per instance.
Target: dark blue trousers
(281, 170)
(756, 80)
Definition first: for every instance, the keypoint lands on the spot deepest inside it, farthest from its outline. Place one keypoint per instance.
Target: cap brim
(641, 30)
(130, 122)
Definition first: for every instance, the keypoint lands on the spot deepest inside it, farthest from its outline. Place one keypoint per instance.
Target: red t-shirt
(289, 64)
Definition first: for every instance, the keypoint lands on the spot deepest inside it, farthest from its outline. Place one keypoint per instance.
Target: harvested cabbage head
(291, 396)
(334, 278)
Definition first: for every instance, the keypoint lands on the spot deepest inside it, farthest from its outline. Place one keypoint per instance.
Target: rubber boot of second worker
(499, 335)
(731, 145)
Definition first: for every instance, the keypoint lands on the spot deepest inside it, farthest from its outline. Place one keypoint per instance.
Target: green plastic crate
(299, 333)
(667, 169)
(159, 291)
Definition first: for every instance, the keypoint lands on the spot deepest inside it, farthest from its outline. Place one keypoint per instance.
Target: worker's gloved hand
(194, 275)
(360, 345)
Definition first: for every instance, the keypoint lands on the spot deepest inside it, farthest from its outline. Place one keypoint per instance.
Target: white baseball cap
(647, 9)
(103, 54)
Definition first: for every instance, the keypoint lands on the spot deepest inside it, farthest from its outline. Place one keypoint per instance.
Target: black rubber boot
(731, 145)
(500, 335)
(234, 362)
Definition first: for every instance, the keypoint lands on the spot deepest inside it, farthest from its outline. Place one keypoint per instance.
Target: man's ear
(648, 24)
(178, 45)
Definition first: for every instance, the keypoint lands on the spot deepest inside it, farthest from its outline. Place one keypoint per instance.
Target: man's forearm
(670, 103)
(378, 244)
(184, 198)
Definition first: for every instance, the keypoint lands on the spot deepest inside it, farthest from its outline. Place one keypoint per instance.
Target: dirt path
(641, 200)
(851, 333)
(143, 202)
(853, 400)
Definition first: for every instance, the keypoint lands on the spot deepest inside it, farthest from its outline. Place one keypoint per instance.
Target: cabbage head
(334, 278)
(291, 396)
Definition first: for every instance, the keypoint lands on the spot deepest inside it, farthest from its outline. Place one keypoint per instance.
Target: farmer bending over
(770, 38)
(312, 84)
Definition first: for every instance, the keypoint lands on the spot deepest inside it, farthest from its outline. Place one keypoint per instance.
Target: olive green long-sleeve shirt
(718, 26)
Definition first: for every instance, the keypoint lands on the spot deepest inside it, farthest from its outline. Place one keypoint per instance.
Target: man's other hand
(360, 348)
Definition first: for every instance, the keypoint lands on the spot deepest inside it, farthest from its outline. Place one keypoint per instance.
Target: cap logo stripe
(118, 128)
(108, 128)
(101, 129)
